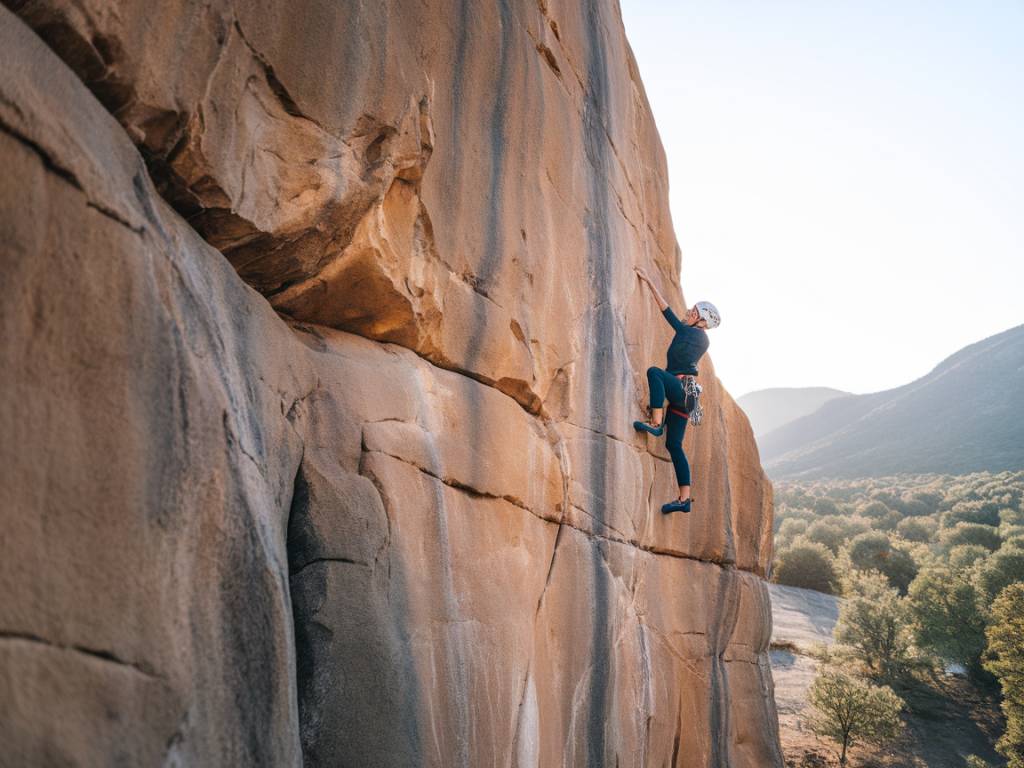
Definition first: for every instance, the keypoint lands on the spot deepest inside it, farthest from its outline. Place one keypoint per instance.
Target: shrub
(930, 499)
(946, 619)
(980, 512)
(921, 554)
(825, 506)
(793, 513)
(791, 528)
(873, 620)
(916, 529)
(828, 533)
(1005, 660)
(1009, 516)
(885, 496)
(850, 525)
(970, 533)
(887, 522)
(911, 507)
(851, 710)
(963, 556)
(806, 564)
(873, 509)
(873, 551)
(997, 572)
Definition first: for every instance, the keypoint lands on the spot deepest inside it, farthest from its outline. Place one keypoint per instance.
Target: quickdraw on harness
(691, 391)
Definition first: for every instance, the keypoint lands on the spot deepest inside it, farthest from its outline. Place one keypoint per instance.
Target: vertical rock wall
(322, 344)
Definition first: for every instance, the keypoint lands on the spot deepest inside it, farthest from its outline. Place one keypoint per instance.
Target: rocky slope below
(322, 344)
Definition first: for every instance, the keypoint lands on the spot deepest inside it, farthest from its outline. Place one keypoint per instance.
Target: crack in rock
(93, 653)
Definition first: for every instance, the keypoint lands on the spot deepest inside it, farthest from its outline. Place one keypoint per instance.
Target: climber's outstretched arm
(669, 315)
(662, 304)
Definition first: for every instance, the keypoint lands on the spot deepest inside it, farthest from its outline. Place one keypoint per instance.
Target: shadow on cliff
(358, 687)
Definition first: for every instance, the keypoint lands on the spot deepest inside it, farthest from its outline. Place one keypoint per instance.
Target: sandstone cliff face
(322, 344)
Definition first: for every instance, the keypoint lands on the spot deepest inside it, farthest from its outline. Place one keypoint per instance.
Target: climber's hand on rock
(642, 275)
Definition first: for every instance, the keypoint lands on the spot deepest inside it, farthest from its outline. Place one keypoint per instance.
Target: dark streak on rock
(678, 736)
(251, 639)
(600, 359)
(143, 198)
(493, 252)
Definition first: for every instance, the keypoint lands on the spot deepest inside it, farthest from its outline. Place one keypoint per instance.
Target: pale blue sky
(847, 178)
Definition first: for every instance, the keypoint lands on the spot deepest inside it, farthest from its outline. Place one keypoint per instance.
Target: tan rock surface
(404, 520)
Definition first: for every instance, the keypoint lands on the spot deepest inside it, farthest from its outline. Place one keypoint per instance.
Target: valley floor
(947, 718)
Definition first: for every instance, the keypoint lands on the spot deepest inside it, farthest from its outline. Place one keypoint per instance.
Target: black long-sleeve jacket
(687, 347)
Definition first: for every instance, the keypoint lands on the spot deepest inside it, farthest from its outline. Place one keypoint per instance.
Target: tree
(983, 512)
(963, 556)
(1015, 542)
(1011, 516)
(929, 499)
(826, 532)
(946, 619)
(887, 522)
(874, 621)
(1001, 569)
(826, 506)
(873, 551)
(915, 529)
(911, 507)
(791, 528)
(850, 711)
(873, 509)
(784, 513)
(851, 526)
(970, 533)
(1005, 660)
(807, 565)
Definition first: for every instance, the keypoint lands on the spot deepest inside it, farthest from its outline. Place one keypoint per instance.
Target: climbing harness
(694, 413)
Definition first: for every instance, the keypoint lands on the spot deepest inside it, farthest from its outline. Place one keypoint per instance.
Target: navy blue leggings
(662, 384)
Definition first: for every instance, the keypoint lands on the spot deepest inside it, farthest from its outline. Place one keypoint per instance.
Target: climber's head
(704, 314)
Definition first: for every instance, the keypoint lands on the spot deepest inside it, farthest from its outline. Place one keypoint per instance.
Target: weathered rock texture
(321, 345)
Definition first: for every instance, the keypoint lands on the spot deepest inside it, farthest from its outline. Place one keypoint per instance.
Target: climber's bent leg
(662, 384)
(656, 385)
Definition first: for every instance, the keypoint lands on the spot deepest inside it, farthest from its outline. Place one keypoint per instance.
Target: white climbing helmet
(708, 313)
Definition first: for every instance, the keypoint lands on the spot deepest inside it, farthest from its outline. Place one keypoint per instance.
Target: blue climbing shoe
(676, 506)
(642, 426)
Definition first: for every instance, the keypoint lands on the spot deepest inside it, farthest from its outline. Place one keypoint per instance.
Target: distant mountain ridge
(967, 415)
(769, 409)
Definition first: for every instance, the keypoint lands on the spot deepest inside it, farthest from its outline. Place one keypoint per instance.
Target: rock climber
(687, 347)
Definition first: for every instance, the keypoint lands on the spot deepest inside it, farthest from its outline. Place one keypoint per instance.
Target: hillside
(769, 409)
(962, 417)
